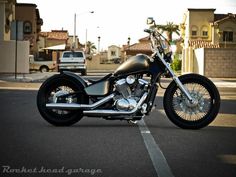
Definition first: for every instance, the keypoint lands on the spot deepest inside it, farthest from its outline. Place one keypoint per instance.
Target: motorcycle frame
(155, 36)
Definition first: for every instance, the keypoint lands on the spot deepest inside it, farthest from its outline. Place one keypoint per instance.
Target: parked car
(73, 61)
(40, 64)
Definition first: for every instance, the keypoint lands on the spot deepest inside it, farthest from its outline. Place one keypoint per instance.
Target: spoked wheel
(60, 89)
(194, 115)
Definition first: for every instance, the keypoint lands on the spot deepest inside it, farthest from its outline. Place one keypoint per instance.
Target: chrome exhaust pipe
(75, 106)
(108, 112)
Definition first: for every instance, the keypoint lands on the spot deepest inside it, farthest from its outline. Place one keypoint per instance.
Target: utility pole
(73, 45)
(16, 49)
(99, 38)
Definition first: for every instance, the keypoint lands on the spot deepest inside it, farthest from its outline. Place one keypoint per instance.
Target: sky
(115, 21)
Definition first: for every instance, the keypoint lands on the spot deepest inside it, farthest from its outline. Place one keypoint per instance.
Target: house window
(194, 33)
(204, 31)
(228, 36)
(27, 27)
(113, 53)
(194, 30)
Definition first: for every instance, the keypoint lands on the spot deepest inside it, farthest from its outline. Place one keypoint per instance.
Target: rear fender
(75, 77)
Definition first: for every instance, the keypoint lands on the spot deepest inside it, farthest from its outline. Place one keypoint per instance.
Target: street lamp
(74, 41)
(99, 38)
(128, 42)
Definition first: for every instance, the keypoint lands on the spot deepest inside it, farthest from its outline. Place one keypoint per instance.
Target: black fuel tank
(138, 63)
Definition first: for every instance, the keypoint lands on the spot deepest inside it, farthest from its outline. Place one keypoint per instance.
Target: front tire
(185, 114)
(51, 92)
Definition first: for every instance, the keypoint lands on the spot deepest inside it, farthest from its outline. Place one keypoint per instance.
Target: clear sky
(116, 20)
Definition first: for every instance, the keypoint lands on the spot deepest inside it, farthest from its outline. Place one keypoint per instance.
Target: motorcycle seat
(99, 80)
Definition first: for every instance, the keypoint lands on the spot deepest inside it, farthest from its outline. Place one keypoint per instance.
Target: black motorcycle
(190, 101)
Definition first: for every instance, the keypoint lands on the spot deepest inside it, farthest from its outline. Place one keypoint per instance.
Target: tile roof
(202, 44)
(222, 17)
(56, 34)
(144, 39)
(139, 47)
(219, 16)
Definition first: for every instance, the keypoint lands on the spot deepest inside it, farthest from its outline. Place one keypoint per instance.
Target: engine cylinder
(123, 88)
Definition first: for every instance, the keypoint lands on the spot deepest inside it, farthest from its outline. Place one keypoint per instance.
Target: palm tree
(169, 28)
(90, 48)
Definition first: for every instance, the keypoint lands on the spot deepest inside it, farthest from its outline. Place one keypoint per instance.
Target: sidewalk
(40, 77)
(34, 80)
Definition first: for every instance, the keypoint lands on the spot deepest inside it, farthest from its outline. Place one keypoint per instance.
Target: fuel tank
(135, 64)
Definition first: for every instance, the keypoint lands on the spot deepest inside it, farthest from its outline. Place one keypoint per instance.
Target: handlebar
(158, 42)
(148, 31)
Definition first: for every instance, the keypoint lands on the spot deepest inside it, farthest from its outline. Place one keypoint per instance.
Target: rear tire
(186, 115)
(49, 92)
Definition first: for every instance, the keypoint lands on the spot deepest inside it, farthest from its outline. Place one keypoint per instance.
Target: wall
(198, 61)
(2, 20)
(220, 62)
(187, 60)
(94, 64)
(7, 56)
(27, 12)
(200, 18)
(53, 42)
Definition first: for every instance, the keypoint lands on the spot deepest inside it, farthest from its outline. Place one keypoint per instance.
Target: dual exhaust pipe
(91, 109)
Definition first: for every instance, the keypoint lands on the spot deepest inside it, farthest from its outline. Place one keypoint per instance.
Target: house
(14, 54)
(53, 38)
(51, 44)
(29, 16)
(114, 53)
(7, 10)
(203, 28)
(143, 46)
(209, 40)
(224, 27)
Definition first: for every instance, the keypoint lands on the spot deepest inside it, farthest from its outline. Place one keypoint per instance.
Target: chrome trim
(74, 106)
(142, 82)
(114, 112)
(175, 78)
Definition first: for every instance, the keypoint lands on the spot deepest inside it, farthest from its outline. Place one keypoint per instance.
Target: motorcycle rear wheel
(50, 92)
(185, 114)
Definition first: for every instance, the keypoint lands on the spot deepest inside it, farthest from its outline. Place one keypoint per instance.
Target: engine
(130, 90)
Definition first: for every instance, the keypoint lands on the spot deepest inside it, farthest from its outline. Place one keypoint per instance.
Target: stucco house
(14, 54)
(143, 46)
(114, 53)
(209, 39)
(29, 16)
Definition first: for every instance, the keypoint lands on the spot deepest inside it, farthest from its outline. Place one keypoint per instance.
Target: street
(96, 147)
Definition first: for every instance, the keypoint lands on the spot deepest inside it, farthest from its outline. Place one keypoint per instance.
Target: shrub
(176, 64)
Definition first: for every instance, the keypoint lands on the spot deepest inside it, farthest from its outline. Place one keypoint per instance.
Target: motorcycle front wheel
(189, 115)
(53, 91)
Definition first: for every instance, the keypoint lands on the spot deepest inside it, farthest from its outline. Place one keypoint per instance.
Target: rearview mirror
(150, 21)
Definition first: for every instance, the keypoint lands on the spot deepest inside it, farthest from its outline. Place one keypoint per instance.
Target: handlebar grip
(147, 30)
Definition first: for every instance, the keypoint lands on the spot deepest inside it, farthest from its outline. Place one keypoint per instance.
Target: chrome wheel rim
(55, 97)
(192, 111)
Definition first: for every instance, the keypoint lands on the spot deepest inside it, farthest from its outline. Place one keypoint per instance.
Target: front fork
(176, 79)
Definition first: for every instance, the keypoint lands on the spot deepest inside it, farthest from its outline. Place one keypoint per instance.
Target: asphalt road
(96, 147)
